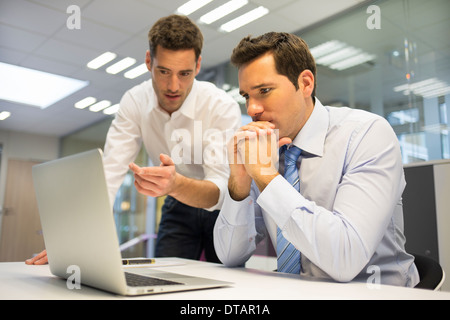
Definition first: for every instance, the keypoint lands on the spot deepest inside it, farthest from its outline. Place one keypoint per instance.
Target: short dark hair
(290, 52)
(175, 32)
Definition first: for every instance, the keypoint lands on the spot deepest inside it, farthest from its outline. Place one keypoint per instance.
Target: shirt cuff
(236, 213)
(279, 199)
(222, 184)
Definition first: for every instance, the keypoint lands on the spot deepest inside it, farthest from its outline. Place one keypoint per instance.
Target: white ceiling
(34, 34)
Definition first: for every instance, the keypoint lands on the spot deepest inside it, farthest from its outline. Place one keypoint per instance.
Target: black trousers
(185, 232)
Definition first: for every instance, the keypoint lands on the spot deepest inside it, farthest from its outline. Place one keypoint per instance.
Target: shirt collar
(311, 137)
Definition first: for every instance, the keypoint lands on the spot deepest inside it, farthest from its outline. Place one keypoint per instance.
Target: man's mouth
(172, 96)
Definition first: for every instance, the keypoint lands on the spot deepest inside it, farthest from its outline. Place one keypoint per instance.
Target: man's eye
(264, 90)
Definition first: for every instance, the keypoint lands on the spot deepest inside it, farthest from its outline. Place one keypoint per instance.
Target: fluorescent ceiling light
(222, 11)
(192, 6)
(100, 106)
(86, 102)
(326, 48)
(136, 72)
(428, 88)
(339, 56)
(437, 92)
(415, 85)
(101, 60)
(121, 65)
(35, 88)
(4, 115)
(244, 19)
(112, 110)
(353, 61)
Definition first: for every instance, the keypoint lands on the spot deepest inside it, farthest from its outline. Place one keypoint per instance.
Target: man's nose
(173, 84)
(254, 109)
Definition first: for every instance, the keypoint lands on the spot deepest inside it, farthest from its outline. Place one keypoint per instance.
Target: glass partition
(388, 57)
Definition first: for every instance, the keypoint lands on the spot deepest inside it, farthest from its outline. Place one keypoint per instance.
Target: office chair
(431, 274)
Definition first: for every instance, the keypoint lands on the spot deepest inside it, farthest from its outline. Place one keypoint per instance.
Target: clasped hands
(253, 154)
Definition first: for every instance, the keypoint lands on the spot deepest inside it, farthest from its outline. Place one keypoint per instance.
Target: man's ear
(148, 60)
(199, 64)
(306, 82)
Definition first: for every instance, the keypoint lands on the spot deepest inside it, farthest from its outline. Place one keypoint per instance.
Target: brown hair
(175, 32)
(290, 52)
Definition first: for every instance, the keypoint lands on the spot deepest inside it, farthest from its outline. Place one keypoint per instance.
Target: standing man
(183, 125)
(333, 209)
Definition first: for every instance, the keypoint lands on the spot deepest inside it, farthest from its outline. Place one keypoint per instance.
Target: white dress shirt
(194, 135)
(347, 220)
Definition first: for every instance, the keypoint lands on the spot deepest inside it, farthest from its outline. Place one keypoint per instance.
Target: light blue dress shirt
(347, 221)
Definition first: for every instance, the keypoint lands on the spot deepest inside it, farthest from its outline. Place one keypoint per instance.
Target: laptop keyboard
(136, 280)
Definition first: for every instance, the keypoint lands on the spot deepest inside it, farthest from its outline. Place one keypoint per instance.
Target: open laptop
(79, 230)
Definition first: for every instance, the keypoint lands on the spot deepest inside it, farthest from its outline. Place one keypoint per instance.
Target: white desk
(20, 281)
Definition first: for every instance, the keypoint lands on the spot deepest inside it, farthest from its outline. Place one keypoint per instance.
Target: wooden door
(21, 234)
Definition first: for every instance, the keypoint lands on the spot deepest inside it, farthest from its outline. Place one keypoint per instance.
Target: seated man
(333, 209)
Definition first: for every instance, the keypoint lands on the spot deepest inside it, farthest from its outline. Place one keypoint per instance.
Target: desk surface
(21, 281)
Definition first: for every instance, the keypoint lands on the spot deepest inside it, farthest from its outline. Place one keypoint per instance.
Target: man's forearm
(195, 193)
(239, 189)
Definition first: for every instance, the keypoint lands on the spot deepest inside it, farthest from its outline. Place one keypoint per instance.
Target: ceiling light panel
(4, 115)
(86, 102)
(136, 72)
(112, 110)
(222, 11)
(35, 88)
(101, 60)
(326, 48)
(244, 19)
(338, 55)
(192, 6)
(104, 105)
(428, 88)
(100, 106)
(353, 61)
(121, 65)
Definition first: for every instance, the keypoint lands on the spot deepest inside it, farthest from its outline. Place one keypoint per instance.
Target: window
(398, 69)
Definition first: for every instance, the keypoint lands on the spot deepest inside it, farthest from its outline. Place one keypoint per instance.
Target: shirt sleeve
(238, 229)
(342, 240)
(123, 143)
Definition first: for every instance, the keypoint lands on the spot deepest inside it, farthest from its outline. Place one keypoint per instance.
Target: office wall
(24, 146)
(88, 138)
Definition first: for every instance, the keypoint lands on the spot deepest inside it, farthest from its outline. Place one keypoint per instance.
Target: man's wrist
(239, 190)
(263, 180)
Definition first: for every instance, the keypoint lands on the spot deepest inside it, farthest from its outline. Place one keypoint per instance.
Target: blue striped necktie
(288, 258)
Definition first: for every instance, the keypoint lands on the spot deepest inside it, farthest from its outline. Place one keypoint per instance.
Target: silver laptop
(79, 230)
